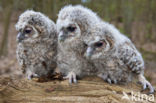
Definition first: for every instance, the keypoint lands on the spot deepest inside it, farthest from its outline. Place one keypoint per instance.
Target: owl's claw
(115, 81)
(72, 77)
(31, 75)
(107, 79)
(111, 81)
(146, 84)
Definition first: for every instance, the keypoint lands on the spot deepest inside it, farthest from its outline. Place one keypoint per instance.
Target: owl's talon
(144, 88)
(151, 92)
(109, 81)
(105, 78)
(35, 76)
(72, 77)
(74, 80)
(146, 84)
(29, 77)
(115, 81)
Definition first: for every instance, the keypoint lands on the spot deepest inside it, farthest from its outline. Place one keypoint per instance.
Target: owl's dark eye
(28, 30)
(99, 44)
(71, 29)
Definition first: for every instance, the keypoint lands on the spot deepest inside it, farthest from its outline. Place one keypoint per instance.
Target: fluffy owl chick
(37, 44)
(72, 24)
(115, 56)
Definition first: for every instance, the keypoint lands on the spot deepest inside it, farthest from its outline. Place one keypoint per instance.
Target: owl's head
(99, 43)
(33, 25)
(74, 21)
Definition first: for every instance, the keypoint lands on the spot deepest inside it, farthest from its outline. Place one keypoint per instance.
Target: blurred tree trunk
(54, 16)
(6, 19)
(128, 16)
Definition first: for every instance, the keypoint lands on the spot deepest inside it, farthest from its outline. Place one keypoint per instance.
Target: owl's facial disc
(94, 48)
(67, 32)
(28, 32)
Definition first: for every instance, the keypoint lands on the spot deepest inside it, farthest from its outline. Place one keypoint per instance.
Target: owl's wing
(131, 57)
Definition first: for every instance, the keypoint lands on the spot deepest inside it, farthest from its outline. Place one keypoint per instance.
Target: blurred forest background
(134, 18)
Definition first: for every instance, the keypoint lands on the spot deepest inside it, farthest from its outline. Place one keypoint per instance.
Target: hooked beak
(20, 37)
(89, 52)
(62, 37)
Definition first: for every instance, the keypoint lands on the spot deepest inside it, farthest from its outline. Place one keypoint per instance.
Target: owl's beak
(20, 37)
(62, 37)
(89, 52)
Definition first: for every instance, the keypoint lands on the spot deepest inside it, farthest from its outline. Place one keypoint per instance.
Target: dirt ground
(13, 89)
